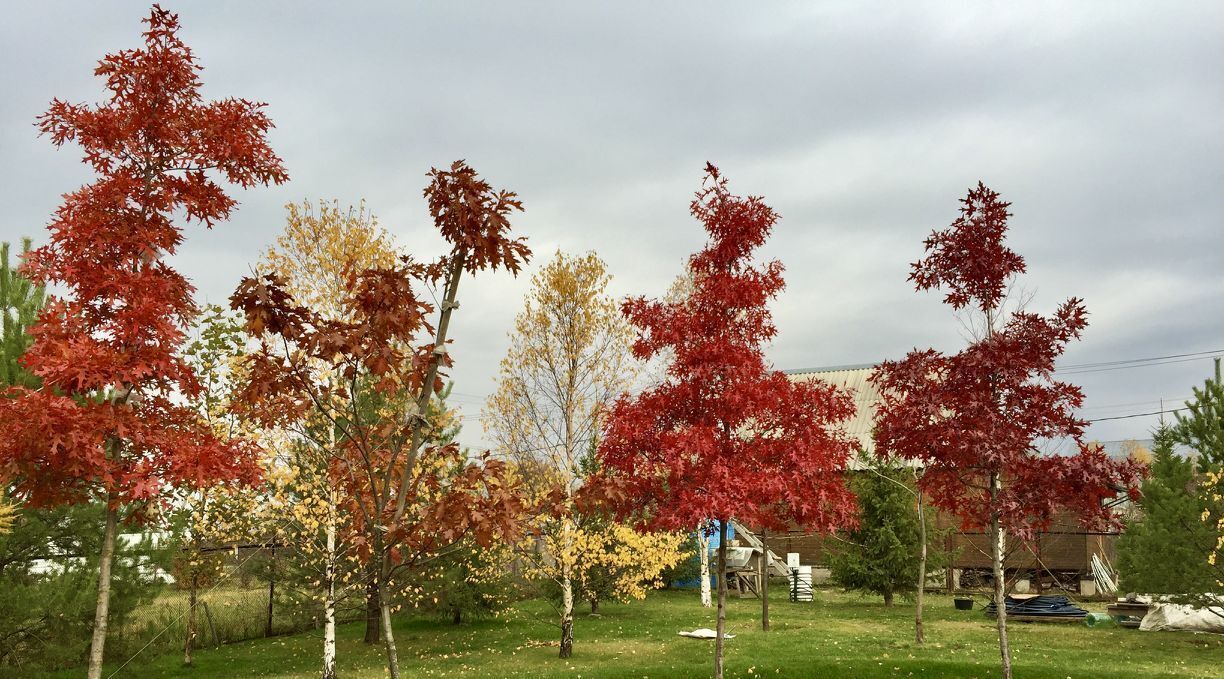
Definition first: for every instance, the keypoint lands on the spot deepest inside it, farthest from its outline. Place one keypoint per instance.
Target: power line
(1136, 362)
(1137, 403)
(1124, 417)
(1133, 365)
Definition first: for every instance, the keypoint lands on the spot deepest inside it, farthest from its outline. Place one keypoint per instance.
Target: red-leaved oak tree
(361, 390)
(724, 436)
(974, 420)
(105, 425)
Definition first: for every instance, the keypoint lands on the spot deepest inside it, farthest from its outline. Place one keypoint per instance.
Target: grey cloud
(862, 124)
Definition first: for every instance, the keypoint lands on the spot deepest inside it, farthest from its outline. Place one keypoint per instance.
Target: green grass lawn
(842, 636)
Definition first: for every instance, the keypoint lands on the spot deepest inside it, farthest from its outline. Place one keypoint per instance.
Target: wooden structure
(747, 561)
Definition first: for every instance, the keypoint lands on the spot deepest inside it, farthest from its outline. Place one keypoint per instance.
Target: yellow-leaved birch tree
(321, 246)
(569, 357)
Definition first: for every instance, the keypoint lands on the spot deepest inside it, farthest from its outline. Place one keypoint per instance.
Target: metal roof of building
(855, 377)
(866, 395)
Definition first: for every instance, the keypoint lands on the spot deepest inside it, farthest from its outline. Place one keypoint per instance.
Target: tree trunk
(703, 541)
(100, 611)
(437, 357)
(567, 617)
(98, 642)
(888, 599)
(329, 604)
(919, 634)
(191, 618)
(764, 582)
(373, 613)
(329, 633)
(385, 616)
(721, 627)
(594, 605)
(997, 544)
(456, 615)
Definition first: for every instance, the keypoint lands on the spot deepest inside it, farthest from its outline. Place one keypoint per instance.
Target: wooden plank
(1045, 618)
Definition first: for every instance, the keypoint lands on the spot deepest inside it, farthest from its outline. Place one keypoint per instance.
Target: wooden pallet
(1128, 613)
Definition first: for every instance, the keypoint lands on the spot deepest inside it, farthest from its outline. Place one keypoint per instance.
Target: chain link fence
(248, 602)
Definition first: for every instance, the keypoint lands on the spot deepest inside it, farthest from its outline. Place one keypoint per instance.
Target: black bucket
(963, 604)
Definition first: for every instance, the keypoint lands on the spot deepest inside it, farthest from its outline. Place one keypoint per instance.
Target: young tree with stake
(105, 425)
(724, 436)
(369, 380)
(972, 419)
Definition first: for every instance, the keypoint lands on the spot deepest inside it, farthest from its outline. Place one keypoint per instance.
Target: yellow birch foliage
(569, 358)
(1133, 450)
(1213, 490)
(8, 515)
(321, 245)
(623, 561)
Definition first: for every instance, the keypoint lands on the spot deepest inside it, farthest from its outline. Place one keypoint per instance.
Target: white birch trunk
(998, 550)
(721, 627)
(567, 591)
(329, 603)
(703, 541)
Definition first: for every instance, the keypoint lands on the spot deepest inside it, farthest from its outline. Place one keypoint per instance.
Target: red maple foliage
(975, 420)
(108, 422)
(987, 408)
(104, 422)
(356, 376)
(724, 436)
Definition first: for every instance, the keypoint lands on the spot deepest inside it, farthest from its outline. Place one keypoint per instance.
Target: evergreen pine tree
(1165, 550)
(1203, 427)
(881, 555)
(20, 302)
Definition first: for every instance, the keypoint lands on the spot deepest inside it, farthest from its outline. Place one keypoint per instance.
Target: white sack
(705, 633)
(1162, 616)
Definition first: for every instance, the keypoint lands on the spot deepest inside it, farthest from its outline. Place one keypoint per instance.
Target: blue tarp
(696, 582)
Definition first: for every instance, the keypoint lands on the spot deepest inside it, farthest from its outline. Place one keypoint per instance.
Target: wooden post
(949, 569)
(191, 614)
(271, 592)
(721, 627)
(211, 627)
(764, 580)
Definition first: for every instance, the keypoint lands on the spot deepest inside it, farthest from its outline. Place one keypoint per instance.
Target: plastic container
(963, 604)
(1099, 620)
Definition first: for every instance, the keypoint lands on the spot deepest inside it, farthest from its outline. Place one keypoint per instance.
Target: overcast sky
(1103, 124)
